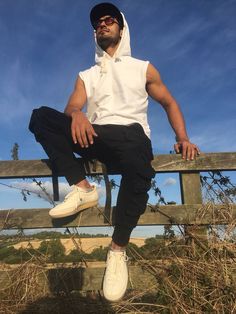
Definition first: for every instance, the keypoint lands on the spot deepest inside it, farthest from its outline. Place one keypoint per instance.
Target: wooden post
(190, 185)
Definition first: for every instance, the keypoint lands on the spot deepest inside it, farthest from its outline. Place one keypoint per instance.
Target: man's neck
(111, 50)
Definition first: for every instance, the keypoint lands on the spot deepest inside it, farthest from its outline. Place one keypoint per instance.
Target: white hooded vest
(115, 87)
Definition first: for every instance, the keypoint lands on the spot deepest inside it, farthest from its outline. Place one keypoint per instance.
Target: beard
(104, 42)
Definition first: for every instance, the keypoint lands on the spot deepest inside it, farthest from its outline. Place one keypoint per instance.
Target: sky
(45, 43)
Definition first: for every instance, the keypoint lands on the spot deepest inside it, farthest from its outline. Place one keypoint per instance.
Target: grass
(199, 276)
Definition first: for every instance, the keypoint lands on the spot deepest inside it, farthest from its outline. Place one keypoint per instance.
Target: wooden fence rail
(191, 211)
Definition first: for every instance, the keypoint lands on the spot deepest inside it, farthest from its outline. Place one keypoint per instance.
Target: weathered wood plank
(24, 168)
(163, 215)
(65, 279)
(161, 163)
(204, 162)
(190, 186)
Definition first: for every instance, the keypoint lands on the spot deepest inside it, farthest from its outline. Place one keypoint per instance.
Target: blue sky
(45, 43)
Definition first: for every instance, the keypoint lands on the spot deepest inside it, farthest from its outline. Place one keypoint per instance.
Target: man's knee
(36, 118)
(39, 118)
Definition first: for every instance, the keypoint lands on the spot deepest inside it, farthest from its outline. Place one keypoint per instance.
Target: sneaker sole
(116, 300)
(77, 210)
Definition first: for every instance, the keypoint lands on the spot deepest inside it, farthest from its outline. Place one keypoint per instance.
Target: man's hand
(188, 150)
(82, 130)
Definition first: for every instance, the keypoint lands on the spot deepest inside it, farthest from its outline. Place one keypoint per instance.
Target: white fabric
(115, 87)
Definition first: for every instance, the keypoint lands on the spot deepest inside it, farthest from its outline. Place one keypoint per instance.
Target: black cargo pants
(126, 146)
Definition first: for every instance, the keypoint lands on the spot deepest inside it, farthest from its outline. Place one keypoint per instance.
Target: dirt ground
(86, 244)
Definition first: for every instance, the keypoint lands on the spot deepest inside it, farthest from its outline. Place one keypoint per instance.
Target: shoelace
(72, 192)
(69, 194)
(114, 260)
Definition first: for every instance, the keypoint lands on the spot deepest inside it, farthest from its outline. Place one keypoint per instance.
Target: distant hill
(86, 244)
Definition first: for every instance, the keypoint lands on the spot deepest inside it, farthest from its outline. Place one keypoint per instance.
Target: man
(114, 130)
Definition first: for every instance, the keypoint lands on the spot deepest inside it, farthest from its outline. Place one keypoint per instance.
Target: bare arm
(81, 129)
(77, 99)
(159, 92)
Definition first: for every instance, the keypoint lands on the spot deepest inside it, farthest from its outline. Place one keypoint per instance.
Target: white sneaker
(116, 275)
(75, 201)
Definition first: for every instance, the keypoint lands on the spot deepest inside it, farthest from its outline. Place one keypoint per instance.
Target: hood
(122, 50)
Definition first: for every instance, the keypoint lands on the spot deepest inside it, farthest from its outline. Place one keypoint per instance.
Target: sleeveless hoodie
(115, 86)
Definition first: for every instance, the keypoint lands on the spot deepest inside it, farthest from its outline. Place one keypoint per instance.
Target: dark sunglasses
(108, 21)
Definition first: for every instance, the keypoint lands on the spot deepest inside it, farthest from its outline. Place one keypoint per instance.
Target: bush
(43, 248)
(53, 250)
(153, 248)
(6, 251)
(56, 251)
(99, 254)
(76, 256)
(10, 255)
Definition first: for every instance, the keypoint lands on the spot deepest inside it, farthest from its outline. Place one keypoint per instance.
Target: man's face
(108, 32)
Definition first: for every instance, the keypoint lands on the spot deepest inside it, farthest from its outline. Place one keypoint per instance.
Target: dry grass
(199, 277)
(22, 287)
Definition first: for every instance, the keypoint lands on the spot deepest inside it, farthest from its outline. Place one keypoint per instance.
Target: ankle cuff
(121, 235)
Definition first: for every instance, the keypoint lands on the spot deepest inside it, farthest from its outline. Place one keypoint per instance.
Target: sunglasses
(108, 21)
